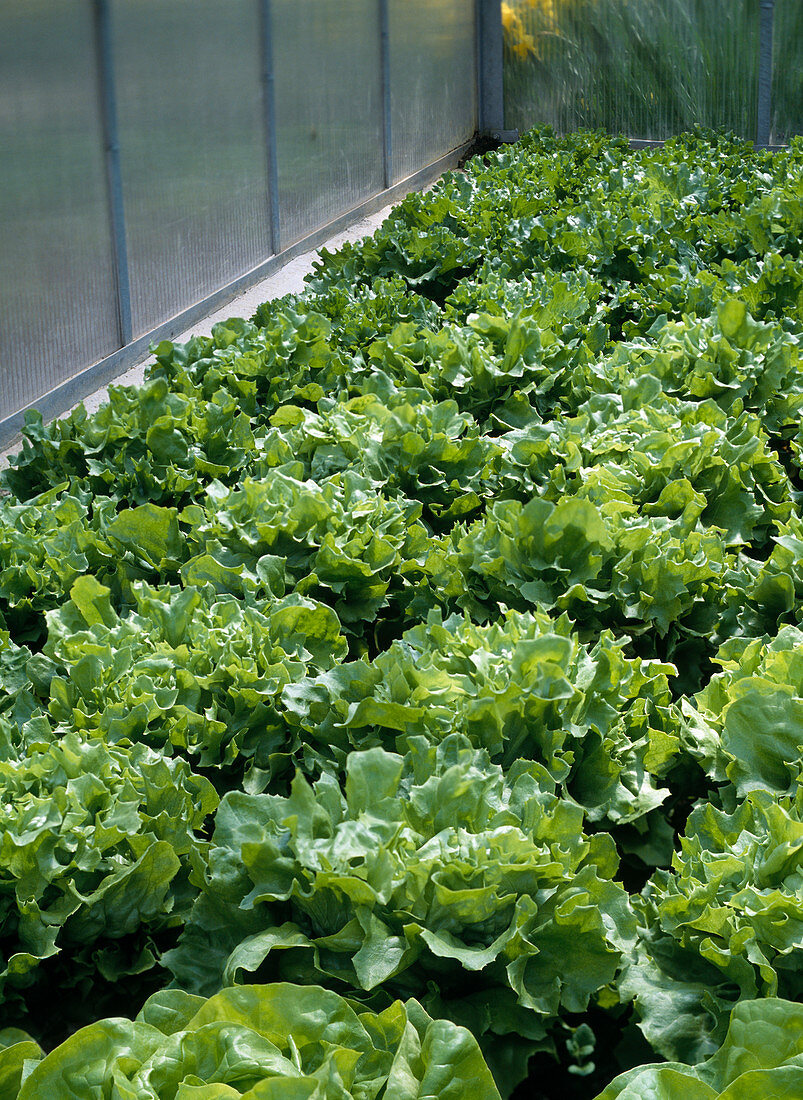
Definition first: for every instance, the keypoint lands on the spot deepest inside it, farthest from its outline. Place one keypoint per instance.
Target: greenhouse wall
(156, 151)
(651, 68)
(159, 155)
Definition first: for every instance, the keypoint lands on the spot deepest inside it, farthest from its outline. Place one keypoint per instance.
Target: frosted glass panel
(192, 148)
(190, 78)
(787, 88)
(58, 308)
(433, 80)
(647, 68)
(328, 109)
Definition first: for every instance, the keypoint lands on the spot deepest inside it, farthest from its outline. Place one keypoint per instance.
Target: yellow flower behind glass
(545, 9)
(517, 41)
(524, 47)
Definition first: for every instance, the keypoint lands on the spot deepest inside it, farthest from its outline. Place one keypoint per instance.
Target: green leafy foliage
(600, 722)
(431, 871)
(279, 1041)
(724, 924)
(338, 536)
(145, 445)
(189, 672)
(492, 538)
(97, 845)
(754, 706)
(762, 1055)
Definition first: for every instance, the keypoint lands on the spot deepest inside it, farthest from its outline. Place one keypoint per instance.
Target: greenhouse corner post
(490, 71)
(108, 108)
(764, 112)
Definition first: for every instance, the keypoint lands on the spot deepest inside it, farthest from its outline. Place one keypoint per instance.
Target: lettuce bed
(401, 692)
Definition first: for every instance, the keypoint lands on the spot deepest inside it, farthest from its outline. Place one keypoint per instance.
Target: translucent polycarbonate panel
(787, 85)
(328, 109)
(646, 68)
(433, 80)
(57, 299)
(192, 148)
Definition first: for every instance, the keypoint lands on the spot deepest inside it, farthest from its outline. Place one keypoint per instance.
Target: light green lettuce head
(726, 924)
(523, 687)
(755, 706)
(435, 874)
(762, 1057)
(97, 843)
(277, 1042)
(190, 670)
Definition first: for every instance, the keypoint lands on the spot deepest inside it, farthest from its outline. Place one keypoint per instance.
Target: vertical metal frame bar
(492, 65)
(269, 109)
(384, 63)
(478, 62)
(478, 59)
(108, 106)
(491, 72)
(764, 111)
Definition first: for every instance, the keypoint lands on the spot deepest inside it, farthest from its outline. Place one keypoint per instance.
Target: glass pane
(328, 109)
(787, 86)
(647, 68)
(433, 80)
(58, 307)
(192, 148)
